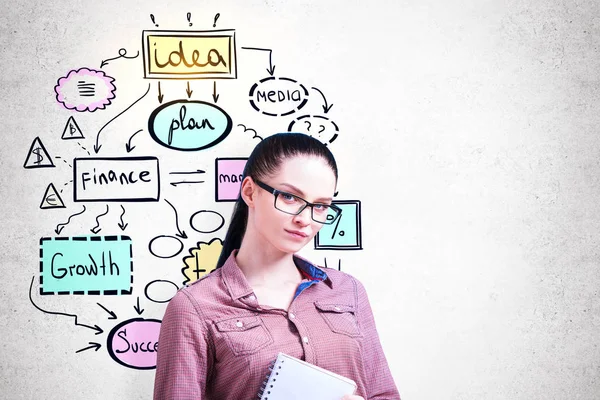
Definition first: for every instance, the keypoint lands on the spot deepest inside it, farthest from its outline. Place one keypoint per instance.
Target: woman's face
(308, 177)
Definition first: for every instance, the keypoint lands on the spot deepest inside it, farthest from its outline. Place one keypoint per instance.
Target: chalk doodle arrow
(271, 69)
(98, 145)
(186, 182)
(215, 95)
(97, 228)
(326, 108)
(111, 313)
(137, 309)
(188, 91)
(128, 145)
(181, 234)
(122, 54)
(93, 344)
(160, 95)
(198, 171)
(60, 227)
(122, 224)
(94, 328)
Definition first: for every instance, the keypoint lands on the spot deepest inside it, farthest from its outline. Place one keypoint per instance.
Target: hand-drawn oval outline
(299, 119)
(165, 236)
(154, 114)
(111, 335)
(207, 211)
(272, 78)
(155, 281)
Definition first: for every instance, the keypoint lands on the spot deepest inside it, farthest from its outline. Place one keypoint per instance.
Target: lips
(302, 234)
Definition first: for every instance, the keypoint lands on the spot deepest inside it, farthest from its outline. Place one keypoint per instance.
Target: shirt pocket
(341, 318)
(244, 335)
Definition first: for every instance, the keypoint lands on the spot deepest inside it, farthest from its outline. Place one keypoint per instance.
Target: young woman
(220, 333)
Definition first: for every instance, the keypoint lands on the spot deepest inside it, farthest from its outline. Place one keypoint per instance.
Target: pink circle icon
(134, 343)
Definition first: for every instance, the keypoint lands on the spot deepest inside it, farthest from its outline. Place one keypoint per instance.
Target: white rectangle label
(116, 179)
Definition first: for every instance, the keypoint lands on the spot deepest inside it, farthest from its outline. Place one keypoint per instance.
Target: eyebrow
(302, 193)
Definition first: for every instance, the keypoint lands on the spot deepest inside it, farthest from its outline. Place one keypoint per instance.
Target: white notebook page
(293, 379)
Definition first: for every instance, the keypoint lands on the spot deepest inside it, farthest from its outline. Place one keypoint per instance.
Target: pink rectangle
(228, 178)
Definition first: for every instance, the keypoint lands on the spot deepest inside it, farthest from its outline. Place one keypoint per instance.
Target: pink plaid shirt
(216, 341)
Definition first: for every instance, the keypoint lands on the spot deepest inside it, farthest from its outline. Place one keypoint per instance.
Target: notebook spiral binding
(264, 384)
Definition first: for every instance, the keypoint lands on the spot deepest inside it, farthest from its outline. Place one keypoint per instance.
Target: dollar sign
(39, 159)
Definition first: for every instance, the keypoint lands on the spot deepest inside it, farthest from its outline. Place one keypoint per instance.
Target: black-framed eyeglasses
(294, 205)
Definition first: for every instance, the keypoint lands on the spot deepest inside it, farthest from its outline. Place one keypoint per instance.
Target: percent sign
(336, 226)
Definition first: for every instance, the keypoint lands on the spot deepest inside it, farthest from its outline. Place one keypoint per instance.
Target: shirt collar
(238, 285)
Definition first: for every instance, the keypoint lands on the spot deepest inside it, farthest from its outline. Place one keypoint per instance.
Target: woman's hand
(352, 397)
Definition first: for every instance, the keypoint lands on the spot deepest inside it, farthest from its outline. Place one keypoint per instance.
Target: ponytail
(235, 232)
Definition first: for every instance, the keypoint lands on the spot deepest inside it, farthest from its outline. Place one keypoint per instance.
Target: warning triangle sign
(72, 130)
(38, 157)
(52, 198)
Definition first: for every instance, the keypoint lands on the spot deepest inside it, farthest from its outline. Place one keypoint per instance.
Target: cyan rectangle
(86, 265)
(345, 232)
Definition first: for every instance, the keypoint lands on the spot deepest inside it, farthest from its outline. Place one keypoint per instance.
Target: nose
(304, 217)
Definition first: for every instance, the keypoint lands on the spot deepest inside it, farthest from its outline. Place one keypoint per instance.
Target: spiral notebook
(294, 379)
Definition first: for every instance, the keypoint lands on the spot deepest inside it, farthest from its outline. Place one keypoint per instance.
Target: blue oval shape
(189, 125)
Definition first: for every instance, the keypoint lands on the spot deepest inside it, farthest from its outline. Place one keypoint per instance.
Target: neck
(263, 264)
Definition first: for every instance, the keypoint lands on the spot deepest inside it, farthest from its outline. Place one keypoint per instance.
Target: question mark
(189, 16)
(216, 18)
(321, 129)
(306, 122)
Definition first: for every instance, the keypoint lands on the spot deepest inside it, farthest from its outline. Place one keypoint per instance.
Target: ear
(248, 191)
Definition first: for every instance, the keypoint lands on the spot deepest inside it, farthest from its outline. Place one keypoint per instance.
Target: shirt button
(258, 309)
(252, 297)
(336, 308)
(239, 324)
(292, 316)
(305, 339)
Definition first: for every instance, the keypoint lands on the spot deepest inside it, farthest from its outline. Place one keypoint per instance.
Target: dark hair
(266, 159)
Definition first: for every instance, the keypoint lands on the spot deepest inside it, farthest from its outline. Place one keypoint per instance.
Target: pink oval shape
(133, 343)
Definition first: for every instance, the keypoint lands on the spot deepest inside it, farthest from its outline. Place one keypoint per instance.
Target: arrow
(326, 108)
(271, 69)
(188, 91)
(128, 145)
(137, 309)
(112, 314)
(93, 344)
(122, 224)
(180, 234)
(97, 145)
(178, 183)
(59, 228)
(95, 327)
(198, 171)
(160, 96)
(215, 95)
(97, 228)
(122, 54)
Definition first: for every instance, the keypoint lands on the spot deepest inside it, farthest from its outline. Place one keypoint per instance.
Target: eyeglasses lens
(293, 205)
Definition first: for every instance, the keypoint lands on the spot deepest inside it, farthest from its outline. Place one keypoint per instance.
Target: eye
(322, 208)
(287, 197)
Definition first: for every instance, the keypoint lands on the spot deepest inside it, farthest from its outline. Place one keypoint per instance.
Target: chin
(293, 247)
